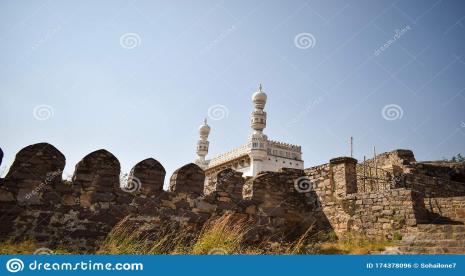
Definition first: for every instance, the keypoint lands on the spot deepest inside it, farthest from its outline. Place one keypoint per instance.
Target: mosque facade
(257, 155)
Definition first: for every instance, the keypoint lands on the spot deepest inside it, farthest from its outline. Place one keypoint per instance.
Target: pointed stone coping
(36, 162)
(149, 175)
(99, 169)
(228, 181)
(188, 179)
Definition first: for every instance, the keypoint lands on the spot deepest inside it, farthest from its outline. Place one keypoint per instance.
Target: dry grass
(352, 243)
(223, 235)
(124, 240)
(30, 246)
(18, 247)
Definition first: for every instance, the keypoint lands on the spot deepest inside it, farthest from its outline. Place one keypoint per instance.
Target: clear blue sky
(147, 99)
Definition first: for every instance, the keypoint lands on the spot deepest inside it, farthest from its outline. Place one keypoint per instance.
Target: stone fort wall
(36, 203)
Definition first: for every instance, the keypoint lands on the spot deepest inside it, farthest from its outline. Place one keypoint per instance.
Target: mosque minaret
(257, 155)
(202, 145)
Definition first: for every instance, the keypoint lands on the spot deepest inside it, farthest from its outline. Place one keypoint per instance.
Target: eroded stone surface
(188, 179)
(149, 174)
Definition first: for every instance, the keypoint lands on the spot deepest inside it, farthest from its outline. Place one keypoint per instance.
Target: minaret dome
(259, 98)
(204, 129)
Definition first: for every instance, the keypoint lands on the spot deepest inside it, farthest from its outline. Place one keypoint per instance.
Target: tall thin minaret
(258, 116)
(258, 140)
(202, 145)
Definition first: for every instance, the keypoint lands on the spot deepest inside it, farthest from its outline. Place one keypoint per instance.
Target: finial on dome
(259, 97)
(204, 129)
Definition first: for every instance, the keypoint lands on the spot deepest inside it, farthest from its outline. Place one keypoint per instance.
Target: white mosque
(257, 155)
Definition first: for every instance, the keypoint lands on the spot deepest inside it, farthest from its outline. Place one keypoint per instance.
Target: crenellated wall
(35, 202)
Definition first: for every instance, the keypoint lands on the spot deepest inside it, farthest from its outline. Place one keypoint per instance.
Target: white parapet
(230, 155)
(285, 150)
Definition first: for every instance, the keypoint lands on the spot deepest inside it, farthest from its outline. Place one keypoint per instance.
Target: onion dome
(204, 129)
(259, 97)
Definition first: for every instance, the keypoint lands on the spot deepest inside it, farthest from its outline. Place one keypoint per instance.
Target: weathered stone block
(149, 176)
(188, 179)
(99, 170)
